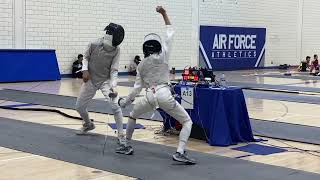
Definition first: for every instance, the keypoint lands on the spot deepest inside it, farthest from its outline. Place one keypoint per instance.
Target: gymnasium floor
(20, 165)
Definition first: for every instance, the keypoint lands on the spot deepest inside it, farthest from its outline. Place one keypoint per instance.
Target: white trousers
(162, 98)
(87, 92)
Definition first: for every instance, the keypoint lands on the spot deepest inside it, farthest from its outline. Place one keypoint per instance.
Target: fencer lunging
(153, 74)
(100, 72)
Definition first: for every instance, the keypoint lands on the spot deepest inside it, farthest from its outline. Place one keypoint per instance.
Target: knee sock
(130, 128)
(118, 117)
(184, 136)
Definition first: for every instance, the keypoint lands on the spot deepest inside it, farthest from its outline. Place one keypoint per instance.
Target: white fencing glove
(123, 102)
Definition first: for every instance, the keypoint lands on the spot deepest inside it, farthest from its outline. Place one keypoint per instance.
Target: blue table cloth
(222, 112)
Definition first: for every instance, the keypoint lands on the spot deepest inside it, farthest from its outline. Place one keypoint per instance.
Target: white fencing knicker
(160, 97)
(87, 92)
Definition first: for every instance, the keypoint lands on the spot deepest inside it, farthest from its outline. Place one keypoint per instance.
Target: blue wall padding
(18, 65)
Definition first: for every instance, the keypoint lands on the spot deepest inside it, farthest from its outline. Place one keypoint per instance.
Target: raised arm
(167, 43)
(163, 12)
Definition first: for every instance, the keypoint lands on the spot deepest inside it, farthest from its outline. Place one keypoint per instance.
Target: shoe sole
(185, 162)
(85, 134)
(125, 153)
(80, 133)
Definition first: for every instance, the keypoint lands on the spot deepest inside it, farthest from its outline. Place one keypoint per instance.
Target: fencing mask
(107, 43)
(152, 44)
(117, 33)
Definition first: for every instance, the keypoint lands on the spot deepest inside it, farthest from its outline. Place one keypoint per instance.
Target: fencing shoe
(123, 149)
(183, 158)
(86, 128)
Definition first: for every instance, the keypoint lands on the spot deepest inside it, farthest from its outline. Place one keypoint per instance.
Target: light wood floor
(15, 165)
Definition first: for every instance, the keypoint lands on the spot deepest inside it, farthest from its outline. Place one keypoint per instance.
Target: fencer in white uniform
(153, 74)
(100, 72)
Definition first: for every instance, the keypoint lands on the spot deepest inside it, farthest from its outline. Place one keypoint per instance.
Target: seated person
(308, 61)
(133, 66)
(304, 64)
(314, 65)
(77, 66)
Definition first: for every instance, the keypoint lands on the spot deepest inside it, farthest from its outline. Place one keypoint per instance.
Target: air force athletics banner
(230, 48)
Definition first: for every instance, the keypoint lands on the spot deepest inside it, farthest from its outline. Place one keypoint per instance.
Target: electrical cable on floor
(198, 109)
(41, 109)
(202, 126)
(291, 147)
(11, 108)
(32, 87)
(46, 110)
(281, 140)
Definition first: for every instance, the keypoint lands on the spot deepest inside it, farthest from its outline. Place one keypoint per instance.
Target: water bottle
(223, 83)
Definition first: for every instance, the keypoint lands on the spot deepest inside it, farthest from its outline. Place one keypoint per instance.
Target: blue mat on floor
(258, 149)
(282, 97)
(114, 126)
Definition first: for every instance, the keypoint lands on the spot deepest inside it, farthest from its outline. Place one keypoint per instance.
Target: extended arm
(138, 85)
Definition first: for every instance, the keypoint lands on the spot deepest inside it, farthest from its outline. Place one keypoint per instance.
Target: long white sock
(118, 117)
(184, 136)
(130, 128)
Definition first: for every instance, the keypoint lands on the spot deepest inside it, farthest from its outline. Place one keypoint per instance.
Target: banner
(232, 48)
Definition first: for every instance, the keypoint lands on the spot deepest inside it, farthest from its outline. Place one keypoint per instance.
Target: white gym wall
(311, 28)
(68, 25)
(6, 24)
